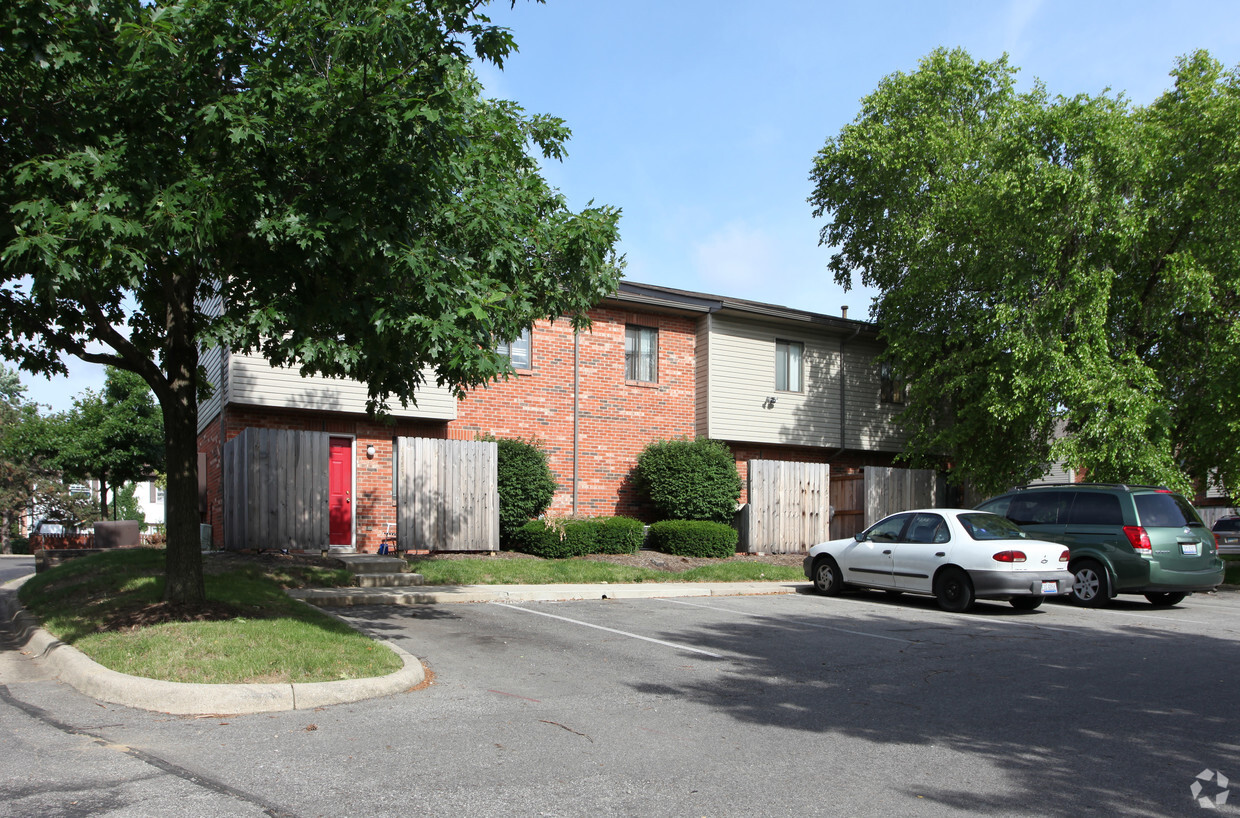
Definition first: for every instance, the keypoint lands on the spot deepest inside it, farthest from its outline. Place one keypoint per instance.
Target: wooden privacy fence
(847, 505)
(275, 489)
(888, 490)
(789, 507)
(447, 495)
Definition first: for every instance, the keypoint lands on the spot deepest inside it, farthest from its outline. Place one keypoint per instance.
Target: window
(518, 350)
(641, 354)
(891, 387)
(788, 355)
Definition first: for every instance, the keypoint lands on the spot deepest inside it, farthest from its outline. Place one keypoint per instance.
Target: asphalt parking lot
(858, 705)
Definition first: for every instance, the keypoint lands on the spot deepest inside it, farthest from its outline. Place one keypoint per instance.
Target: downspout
(576, 410)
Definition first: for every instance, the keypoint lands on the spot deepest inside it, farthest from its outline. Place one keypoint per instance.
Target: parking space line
(968, 617)
(785, 621)
(610, 630)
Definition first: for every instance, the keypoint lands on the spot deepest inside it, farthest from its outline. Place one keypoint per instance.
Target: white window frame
(789, 366)
(641, 354)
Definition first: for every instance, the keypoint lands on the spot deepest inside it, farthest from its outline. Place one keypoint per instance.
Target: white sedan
(957, 555)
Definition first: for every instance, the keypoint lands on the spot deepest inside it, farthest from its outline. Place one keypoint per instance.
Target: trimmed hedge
(694, 538)
(562, 538)
(690, 479)
(619, 535)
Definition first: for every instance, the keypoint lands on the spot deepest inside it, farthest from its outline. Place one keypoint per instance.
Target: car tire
(1165, 599)
(1091, 587)
(827, 579)
(1027, 603)
(954, 590)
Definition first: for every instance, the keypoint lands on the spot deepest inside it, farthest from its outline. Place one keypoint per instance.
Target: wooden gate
(447, 497)
(788, 506)
(847, 505)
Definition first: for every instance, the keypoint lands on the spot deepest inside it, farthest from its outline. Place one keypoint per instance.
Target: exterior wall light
(370, 452)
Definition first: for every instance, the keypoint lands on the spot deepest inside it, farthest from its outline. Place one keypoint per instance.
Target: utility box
(117, 534)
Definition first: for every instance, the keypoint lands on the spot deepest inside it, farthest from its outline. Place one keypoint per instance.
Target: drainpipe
(576, 410)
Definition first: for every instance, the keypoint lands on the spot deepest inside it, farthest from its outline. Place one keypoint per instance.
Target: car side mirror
(860, 536)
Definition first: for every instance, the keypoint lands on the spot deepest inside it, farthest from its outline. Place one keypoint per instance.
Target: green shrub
(693, 538)
(524, 481)
(554, 539)
(690, 479)
(19, 545)
(618, 535)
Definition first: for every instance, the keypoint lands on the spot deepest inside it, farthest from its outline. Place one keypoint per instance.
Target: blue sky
(700, 118)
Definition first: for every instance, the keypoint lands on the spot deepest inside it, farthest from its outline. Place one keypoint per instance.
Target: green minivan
(1122, 539)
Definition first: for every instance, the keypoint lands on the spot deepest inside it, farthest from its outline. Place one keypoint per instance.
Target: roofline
(704, 303)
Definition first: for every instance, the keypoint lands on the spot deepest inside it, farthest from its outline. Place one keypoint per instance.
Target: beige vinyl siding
(741, 377)
(254, 382)
(1055, 473)
(212, 362)
(701, 376)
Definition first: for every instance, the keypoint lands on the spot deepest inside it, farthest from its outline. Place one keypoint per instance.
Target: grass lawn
(108, 606)
(1232, 568)
(490, 571)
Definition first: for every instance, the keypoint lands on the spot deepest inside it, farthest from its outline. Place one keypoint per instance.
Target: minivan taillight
(1010, 556)
(1064, 556)
(1138, 538)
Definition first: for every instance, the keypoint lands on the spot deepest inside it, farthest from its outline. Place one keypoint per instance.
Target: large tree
(1058, 278)
(114, 436)
(320, 181)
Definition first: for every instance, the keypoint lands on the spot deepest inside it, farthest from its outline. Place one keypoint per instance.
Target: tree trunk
(103, 497)
(6, 524)
(183, 582)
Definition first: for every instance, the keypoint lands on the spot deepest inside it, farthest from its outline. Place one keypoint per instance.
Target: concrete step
(387, 580)
(372, 564)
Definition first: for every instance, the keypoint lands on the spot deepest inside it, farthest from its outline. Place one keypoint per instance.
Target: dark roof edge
(654, 295)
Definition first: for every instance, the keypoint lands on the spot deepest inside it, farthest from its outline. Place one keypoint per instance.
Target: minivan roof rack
(1124, 486)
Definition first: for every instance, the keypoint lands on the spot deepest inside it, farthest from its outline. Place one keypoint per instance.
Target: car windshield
(983, 526)
(1164, 510)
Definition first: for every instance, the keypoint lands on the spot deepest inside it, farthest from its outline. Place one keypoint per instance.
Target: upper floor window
(788, 355)
(518, 350)
(641, 354)
(891, 384)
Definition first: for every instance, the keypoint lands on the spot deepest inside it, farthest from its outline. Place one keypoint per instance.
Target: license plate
(1050, 586)
(1188, 549)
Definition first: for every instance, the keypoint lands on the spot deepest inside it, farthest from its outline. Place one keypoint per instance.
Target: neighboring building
(775, 383)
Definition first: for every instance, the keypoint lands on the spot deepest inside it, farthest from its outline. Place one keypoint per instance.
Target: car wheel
(953, 590)
(1091, 588)
(1026, 603)
(1165, 599)
(827, 577)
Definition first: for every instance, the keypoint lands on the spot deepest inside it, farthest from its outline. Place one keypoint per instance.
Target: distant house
(775, 383)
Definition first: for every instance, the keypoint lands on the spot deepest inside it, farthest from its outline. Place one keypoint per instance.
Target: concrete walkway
(87, 676)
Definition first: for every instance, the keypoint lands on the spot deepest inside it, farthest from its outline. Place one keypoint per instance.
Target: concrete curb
(89, 677)
(439, 594)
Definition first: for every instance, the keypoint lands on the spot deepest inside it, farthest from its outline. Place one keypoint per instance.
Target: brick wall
(616, 418)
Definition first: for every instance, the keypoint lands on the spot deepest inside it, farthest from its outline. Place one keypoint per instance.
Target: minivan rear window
(1039, 508)
(1163, 510)
(1090, 508)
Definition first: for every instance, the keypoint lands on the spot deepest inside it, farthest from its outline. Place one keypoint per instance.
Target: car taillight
(1064, 556)
(1138, 538)
(1010, 556)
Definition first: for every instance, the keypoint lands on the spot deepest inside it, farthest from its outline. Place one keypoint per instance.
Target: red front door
(340, 491)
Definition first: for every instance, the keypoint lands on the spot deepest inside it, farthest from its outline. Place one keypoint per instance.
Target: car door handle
(888, 552)
(940, 553)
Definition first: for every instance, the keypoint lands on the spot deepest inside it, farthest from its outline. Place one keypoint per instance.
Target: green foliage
(1059, 278)
(328, 175)
(560, 538)
(526, 485)
(690, 479)
(125, 505)
(694, 538)
(618, 535)
(555, 538)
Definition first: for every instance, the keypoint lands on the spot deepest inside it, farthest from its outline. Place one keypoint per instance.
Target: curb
(186, 699)
(440, 594)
